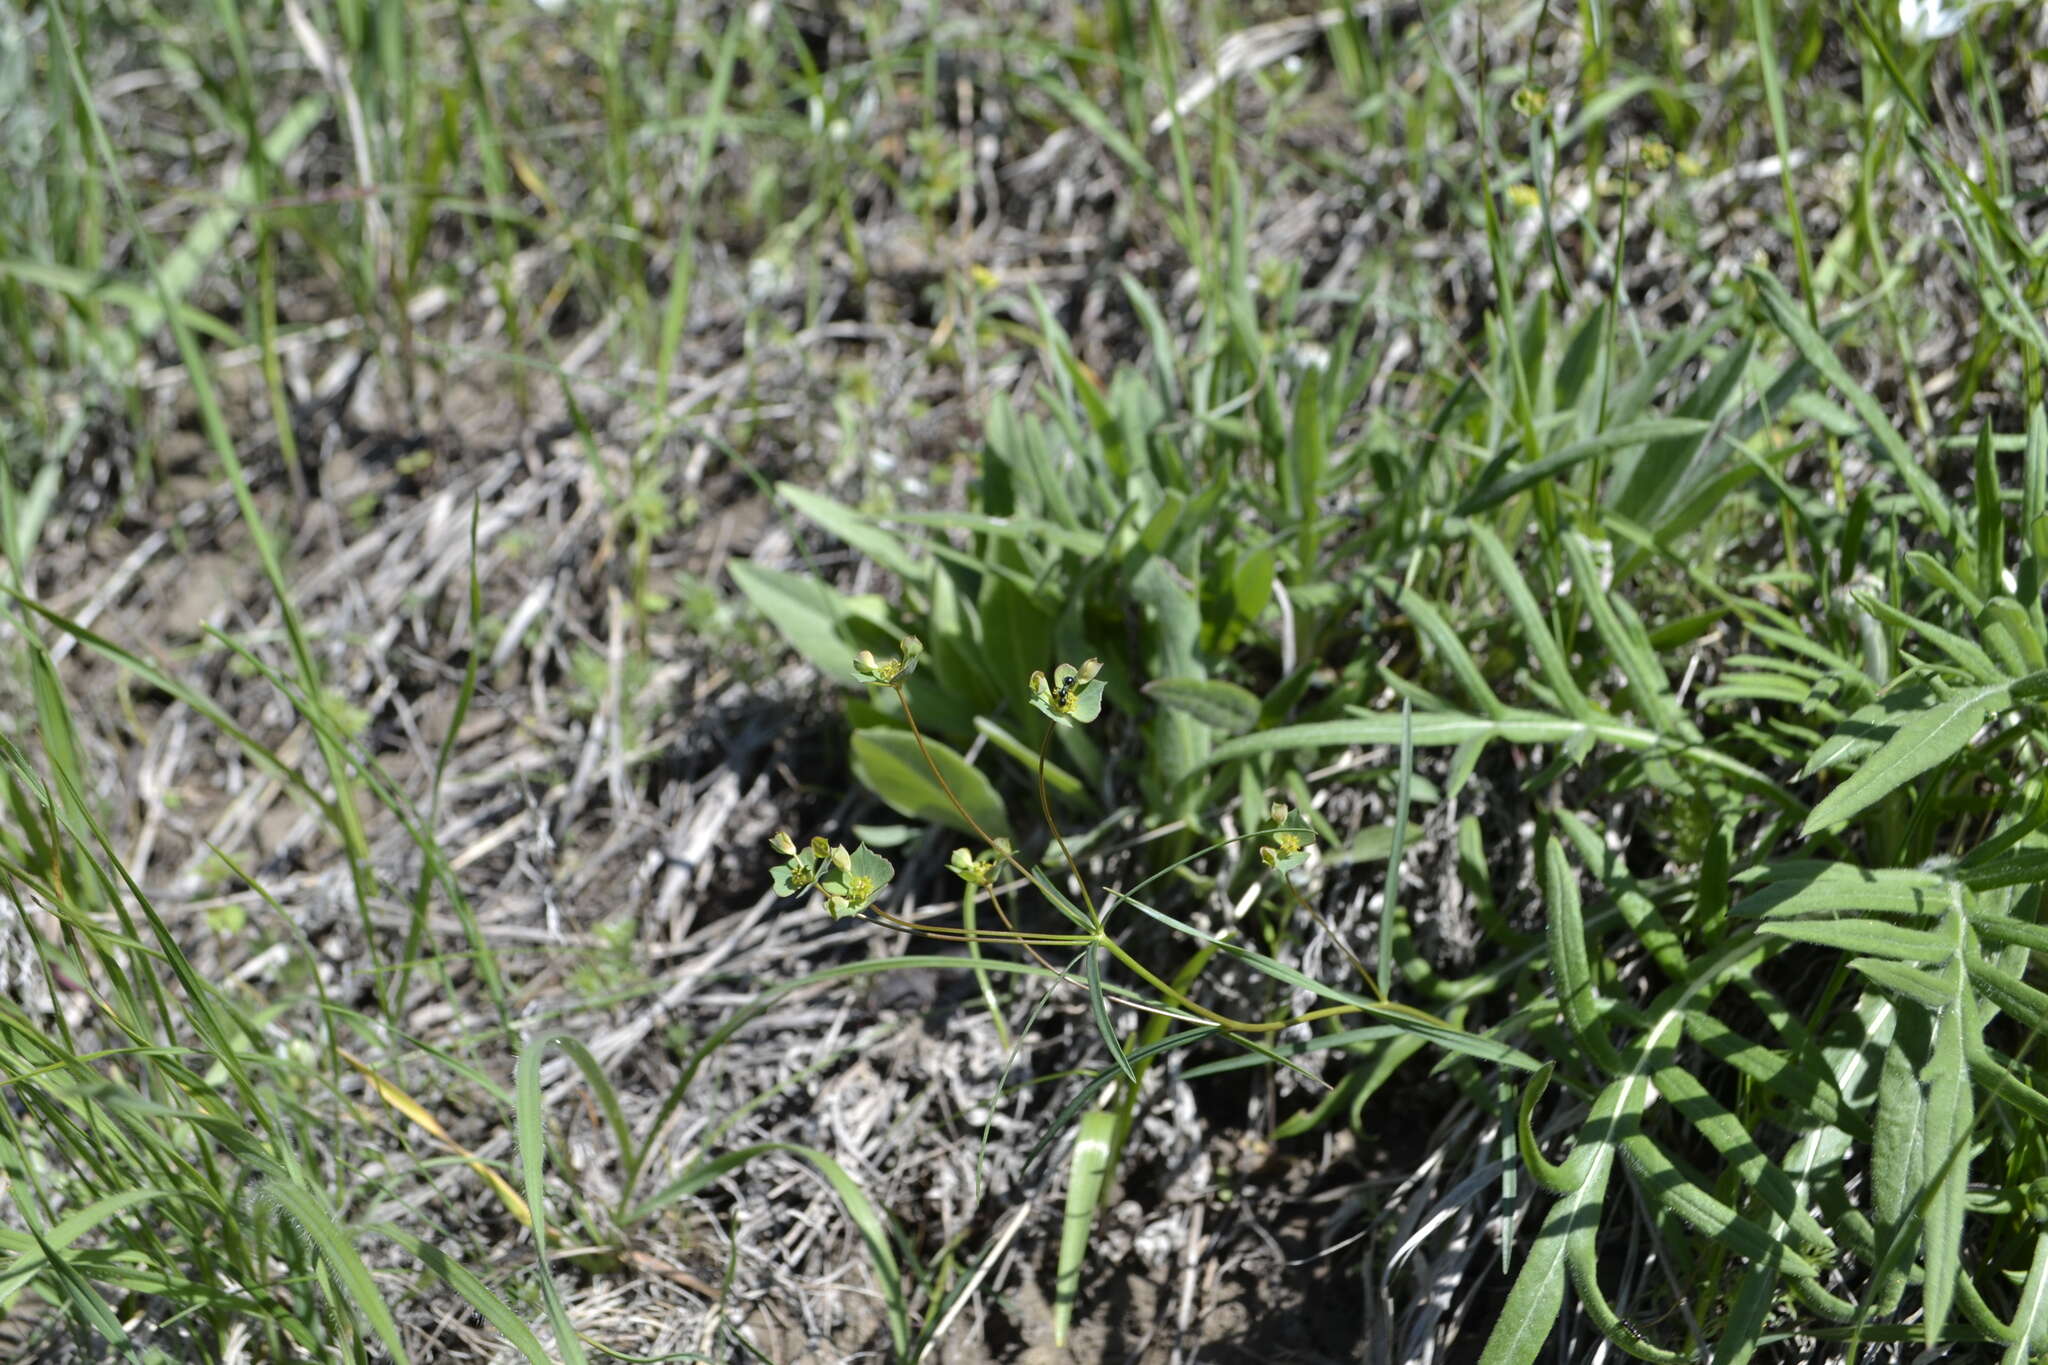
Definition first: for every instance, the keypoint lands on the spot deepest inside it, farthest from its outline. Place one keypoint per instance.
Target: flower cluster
(1288, 849)
(889, 672)
(849, 881)
(1073, 694)
(980, 871)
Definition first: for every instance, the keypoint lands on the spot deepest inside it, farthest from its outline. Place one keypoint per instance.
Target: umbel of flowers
(849, 881)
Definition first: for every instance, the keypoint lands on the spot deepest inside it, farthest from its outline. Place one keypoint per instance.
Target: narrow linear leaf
(1536, 1301)
(312, 1218)
(1871, 936)
(1949, 1120)
(1898, 1151)
(1550, 466)
(1442, 729)
(1922, 741)
(1815, 887)
(1537, 635)
(1098, 1009)
(1390, 898)
(1815, 350)
(860, 1209)
(2030, 1319)
(1570, 965)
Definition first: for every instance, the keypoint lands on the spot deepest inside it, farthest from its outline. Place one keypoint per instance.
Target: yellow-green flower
(889, 672)
(1071, 694)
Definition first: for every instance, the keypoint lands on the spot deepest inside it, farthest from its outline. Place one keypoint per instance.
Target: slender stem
(1045, 805)
(981, 976)
(995, 898)
(961, 935)
(1330, 932)
(1223, 1020)
(1009, 857)
(1100, 936)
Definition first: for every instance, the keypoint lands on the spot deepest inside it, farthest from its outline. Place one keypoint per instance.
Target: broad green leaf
(1016, 639)
(857, 531)
(1922, 742)
(1177, 744)
(805, 612)
(889, 763)
(1222, 705)
(1898, 1151)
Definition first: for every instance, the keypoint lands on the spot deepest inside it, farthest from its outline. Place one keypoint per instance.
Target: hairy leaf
(1920, 743)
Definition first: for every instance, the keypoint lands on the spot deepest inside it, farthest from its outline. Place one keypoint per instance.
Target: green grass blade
(1390, 898)
(351, 1276)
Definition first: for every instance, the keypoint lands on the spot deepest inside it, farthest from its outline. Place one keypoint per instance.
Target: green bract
(855, 879)
(1288, 849)
(850, 881)
(800, 873)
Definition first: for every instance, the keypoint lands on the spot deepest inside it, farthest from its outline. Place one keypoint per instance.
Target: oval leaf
(888, 763)
(1224, 705)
